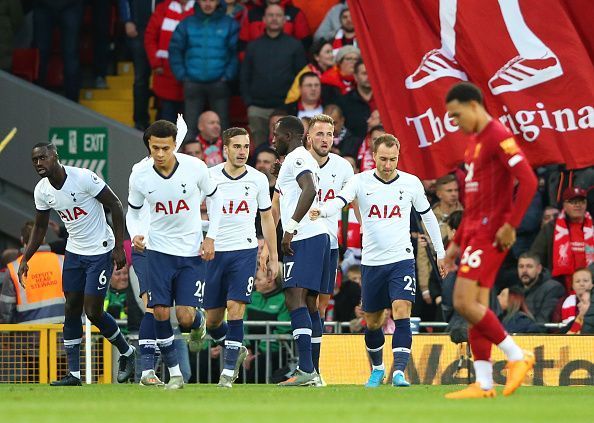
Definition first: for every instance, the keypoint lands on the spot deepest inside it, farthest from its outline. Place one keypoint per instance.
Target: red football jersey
(494, 161)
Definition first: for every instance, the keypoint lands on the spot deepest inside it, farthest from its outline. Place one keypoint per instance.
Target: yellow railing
(35, 354)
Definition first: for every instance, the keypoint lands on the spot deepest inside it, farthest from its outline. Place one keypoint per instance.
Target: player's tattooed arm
(33, 243)
(113, 203)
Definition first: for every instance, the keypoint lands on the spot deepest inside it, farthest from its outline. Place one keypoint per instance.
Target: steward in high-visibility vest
(42, 299)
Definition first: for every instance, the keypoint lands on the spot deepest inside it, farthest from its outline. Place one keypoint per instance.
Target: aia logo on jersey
(171, 208)
(384, 212)
(69, 216)
(329, 195)
(242, 207)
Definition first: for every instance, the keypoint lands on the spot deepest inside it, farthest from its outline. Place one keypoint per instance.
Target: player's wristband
(291, 226)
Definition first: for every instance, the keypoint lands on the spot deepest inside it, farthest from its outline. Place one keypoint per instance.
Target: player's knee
(235, 310)
(161, 313)
(93, 313)
(185, 316)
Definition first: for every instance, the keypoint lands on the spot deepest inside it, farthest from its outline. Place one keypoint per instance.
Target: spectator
(339, 79)
(515, 316)
(209, 126)
(344, 144)
(203, 55)
(115, 302)
(270, 65)
(100, 11)
(295, 24)
(272, 120)
(11, 19)
(541, 295)
(68, 14)
(365, 154)
(268, 303)
(358, 104)
(345, 36)
(314, 11)
(447, 192)
(265, 162)
(234, 9)
(193, 148)
(349, 295)
(549, 214)
(567, 243)
(136, 14)
(331, 22)
(577, 304)
(309, 103)
(161, 25)
(42, 299)
(321, 59)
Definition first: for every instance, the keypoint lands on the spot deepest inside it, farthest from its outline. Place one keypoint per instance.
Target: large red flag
(531, 58)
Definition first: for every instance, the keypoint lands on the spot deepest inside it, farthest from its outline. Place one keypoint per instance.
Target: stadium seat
(25, 63)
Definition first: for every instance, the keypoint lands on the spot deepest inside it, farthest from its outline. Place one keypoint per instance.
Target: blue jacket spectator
(203, 47)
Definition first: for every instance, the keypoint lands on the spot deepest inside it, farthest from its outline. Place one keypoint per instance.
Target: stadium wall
(561, 360)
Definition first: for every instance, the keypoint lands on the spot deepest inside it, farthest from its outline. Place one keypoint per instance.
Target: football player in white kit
(244, 192)
(173, 185)
(334, 174)
(386, 197)
(78, 196)
(305, 243)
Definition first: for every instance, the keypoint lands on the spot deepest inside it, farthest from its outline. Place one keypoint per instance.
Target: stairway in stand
(116, 101)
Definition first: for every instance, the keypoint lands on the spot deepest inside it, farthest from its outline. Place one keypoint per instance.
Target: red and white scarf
(173, 16)
(340, 41)
(563, 259)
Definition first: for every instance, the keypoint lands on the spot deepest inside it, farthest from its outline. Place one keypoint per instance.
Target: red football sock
(490, 327)
(480, 346)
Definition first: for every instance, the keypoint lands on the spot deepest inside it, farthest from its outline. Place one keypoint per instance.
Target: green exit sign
(82, 147)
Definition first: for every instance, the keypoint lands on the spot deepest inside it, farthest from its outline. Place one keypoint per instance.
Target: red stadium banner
(531, 58)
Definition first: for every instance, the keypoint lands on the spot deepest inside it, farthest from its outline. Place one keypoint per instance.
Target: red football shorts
(480, 261)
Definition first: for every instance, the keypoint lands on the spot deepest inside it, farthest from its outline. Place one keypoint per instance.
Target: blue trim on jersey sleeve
(266, 209)
(134, 207)
(426, 211)
(343, 199)
(212, 193)
(301, 173)
(277, 190)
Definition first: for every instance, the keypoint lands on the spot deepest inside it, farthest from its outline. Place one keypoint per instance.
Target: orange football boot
(517, 371)
(472, 391)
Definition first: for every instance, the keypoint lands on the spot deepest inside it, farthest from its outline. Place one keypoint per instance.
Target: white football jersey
(174, 201)
(385, 211)
(334, 174)
(296, 163)
(82, 214)
(242, 197)
(144, 214)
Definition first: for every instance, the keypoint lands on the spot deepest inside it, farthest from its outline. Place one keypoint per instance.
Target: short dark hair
(278, 112)
(529, 255)
(233, 132)
(317, 47)
(307, 75)
(388, 139)
(269, 151)
(455, 219)
(160, 129)
(465, 92)
(50, 146)
(292, 125)
(330, 108)
(358, 64)
(449, 178)
(379, 127)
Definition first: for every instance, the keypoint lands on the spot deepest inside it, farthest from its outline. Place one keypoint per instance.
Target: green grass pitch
(260, 403)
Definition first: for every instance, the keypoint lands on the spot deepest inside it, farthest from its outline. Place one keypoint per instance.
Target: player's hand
(314, 214)
(505, 237)
(23, 270)
(131, 30)
(273, 266)
(138, 243)
(119, 257)
(207, 249)
(286, 244)
(427, 297)
(275, 168)
(441, 266)
(451, 255)
(422, 239)
(263, 259)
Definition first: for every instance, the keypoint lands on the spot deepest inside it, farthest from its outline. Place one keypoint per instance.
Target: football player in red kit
(491, 213)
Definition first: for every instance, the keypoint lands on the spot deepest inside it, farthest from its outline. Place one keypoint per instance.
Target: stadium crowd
(300, 58)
